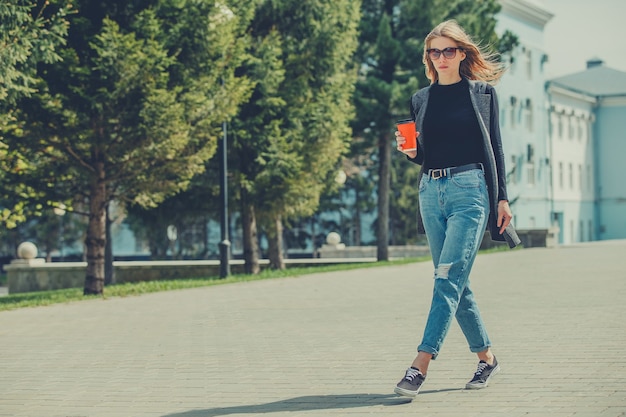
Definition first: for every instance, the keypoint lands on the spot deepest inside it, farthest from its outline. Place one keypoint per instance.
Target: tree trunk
(275, 243)
(357, 224)
(250, 238)
(382, 235)
(109, 272)
(313, 237)
(96, 234)
(205, 237)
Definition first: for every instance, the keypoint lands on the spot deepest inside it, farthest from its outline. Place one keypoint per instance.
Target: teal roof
(597, 81)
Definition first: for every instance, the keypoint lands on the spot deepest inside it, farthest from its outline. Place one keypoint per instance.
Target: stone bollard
(27, 254)
(21, 271)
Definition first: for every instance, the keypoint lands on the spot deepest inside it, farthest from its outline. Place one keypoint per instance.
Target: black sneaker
(410, 385)
(483, 374)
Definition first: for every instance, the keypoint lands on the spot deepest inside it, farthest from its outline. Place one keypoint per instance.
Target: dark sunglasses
(449, 53)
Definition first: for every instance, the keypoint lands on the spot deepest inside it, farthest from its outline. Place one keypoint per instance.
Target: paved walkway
(331, 344)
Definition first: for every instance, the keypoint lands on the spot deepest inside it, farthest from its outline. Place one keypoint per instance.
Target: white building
(588, 132)
(563, 138)
(523, 116)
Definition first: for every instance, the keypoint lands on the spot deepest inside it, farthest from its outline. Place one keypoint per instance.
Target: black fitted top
(452, 136)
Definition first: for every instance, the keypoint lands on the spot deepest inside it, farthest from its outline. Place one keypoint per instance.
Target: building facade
(523, 116)
(588, 139)
(563, 137)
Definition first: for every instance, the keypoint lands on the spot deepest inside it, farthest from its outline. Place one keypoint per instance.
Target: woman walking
(462, 190)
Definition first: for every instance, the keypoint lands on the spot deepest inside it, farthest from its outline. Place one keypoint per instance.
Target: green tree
(390, 58)
(30, 33)
(189, 211)
(295, 131)
(134, 110)
(258, 127)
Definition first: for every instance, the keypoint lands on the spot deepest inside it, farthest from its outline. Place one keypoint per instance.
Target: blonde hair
(477, 65)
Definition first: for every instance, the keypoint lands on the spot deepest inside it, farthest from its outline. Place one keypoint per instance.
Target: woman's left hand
(504, 215)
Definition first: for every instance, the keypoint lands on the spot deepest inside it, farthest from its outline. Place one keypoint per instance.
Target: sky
(581, 30)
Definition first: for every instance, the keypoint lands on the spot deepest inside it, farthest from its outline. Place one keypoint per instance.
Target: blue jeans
(455, 210)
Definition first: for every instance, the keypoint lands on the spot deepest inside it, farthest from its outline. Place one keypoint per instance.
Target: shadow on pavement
(306, 403)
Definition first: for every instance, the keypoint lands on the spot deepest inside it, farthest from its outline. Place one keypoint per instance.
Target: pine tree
(134, 109)
(294, 132)
(30, 34)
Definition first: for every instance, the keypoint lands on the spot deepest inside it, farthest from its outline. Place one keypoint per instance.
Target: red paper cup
(407, 128)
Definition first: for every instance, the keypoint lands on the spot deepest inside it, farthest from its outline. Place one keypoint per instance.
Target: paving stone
(331, 344)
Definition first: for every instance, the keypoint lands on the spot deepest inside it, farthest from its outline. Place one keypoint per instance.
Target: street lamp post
(60, 211)
(224, 243)
(224, 14)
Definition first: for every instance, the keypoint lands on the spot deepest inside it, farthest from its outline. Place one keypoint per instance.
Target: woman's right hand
(400, 140)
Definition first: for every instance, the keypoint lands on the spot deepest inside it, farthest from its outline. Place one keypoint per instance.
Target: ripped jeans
(455, 211)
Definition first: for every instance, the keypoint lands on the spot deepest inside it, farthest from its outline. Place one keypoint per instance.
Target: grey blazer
(485, 103)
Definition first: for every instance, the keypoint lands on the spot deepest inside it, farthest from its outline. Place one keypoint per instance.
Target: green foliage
(288, 138)
(507, 42)
(30, 33)
(133, 110)
(144, 100)
(189, 211)
(209, 66)
(260, 148)
(404, 197)
(295, 130)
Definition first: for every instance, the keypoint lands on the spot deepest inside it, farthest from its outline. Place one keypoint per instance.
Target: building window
(580, 177)
(580, 125)
(513, 173)
(544, 59)
(551, 126)
(559, 124)
(513, 106)
(589, 184)
(529, 64)
(529, 115)
(530, 164)
(561, 175)
(570, 127)
(581, 231)
(590, 230)
(571, 176)
(530, 171)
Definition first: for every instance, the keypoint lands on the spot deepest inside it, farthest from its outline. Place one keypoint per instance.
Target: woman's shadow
(305, 403)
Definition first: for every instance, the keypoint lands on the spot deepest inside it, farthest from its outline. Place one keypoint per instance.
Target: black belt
(448, 172)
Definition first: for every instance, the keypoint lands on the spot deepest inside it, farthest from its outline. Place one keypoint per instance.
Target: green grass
(43, 298)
